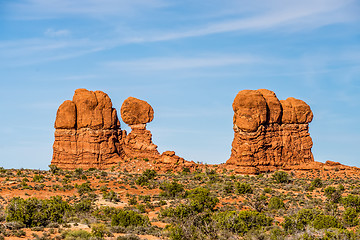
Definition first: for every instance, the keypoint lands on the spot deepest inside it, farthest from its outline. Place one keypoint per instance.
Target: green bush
(34, 212)
(128, 237)
(281, 177)
(351, 217)
(126, 218)
(84, 188)
(100, 230)
(145, 177)
(172, 189)
(300, 220)
(201, 199)
(179, 212)
(352, 201)
(38, 178)
(317, 183)
(243, 221)
(333, 194)
(325, 222)
(242, 188)
(84, 205)
(276, 203)
(76, 235)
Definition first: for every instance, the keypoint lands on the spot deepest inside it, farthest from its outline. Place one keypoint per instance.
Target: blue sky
(188, 59)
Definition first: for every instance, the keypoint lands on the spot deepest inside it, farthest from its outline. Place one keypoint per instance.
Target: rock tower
(138, 143)
(87, 132)
(268, 133)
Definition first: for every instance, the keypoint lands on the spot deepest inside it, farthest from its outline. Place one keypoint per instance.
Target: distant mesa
(268, 133)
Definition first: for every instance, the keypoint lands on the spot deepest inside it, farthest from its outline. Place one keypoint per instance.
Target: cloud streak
(176, 63)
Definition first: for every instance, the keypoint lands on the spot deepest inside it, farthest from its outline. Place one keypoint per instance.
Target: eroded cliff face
(87, 132)
(268, 133)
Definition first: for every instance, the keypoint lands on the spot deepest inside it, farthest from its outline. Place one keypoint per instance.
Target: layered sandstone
(268, 133)
(87, 132)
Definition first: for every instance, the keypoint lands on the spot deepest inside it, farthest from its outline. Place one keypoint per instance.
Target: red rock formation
(87, 132)
(269, 133)
(138, 143)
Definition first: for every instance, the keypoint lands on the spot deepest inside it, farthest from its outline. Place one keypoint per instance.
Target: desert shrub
(281, 177)
(352, 201)
(172, 189)
(317, 183)
(78, 171)
(85, 205)
(300, 220)
(201, 199)
(38, 178)
(276, 203)
(76, 235)
(243, 221)
(128, 237)
(84, 188)
(267, 190)
(333, 194)
(198, 226)
(54, 169)
(132, 200)
(351, 217)
(111, 196)
(176, 233)
(34, 212)
(179, 212)
(127, 218)
(325, 222)
(104, 213)
(100, 230)
(242, 188)
(336, 233)
(228, 187)
(145, 177)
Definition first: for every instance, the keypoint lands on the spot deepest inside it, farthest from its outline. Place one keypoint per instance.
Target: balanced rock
(87, 132)
(138, 143)
(135, 111)
(268, 133)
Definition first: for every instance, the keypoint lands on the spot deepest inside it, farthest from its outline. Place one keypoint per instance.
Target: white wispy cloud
(48, 9)
(258, 16)
(166, 63)
(56, 33)
(291, 15)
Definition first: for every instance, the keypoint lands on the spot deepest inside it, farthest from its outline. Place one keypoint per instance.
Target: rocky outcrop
(87, 132)
(138, 143)
(268, 133)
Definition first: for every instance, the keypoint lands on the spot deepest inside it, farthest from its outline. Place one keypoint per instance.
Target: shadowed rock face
(269, 133)
(87, 132)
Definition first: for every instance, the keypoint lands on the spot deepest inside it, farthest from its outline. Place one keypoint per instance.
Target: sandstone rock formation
(87, 132)
(268, 133)
(138, 143)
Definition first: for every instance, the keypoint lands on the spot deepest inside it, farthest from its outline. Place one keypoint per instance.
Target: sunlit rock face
(87, 132)
(268, 133)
